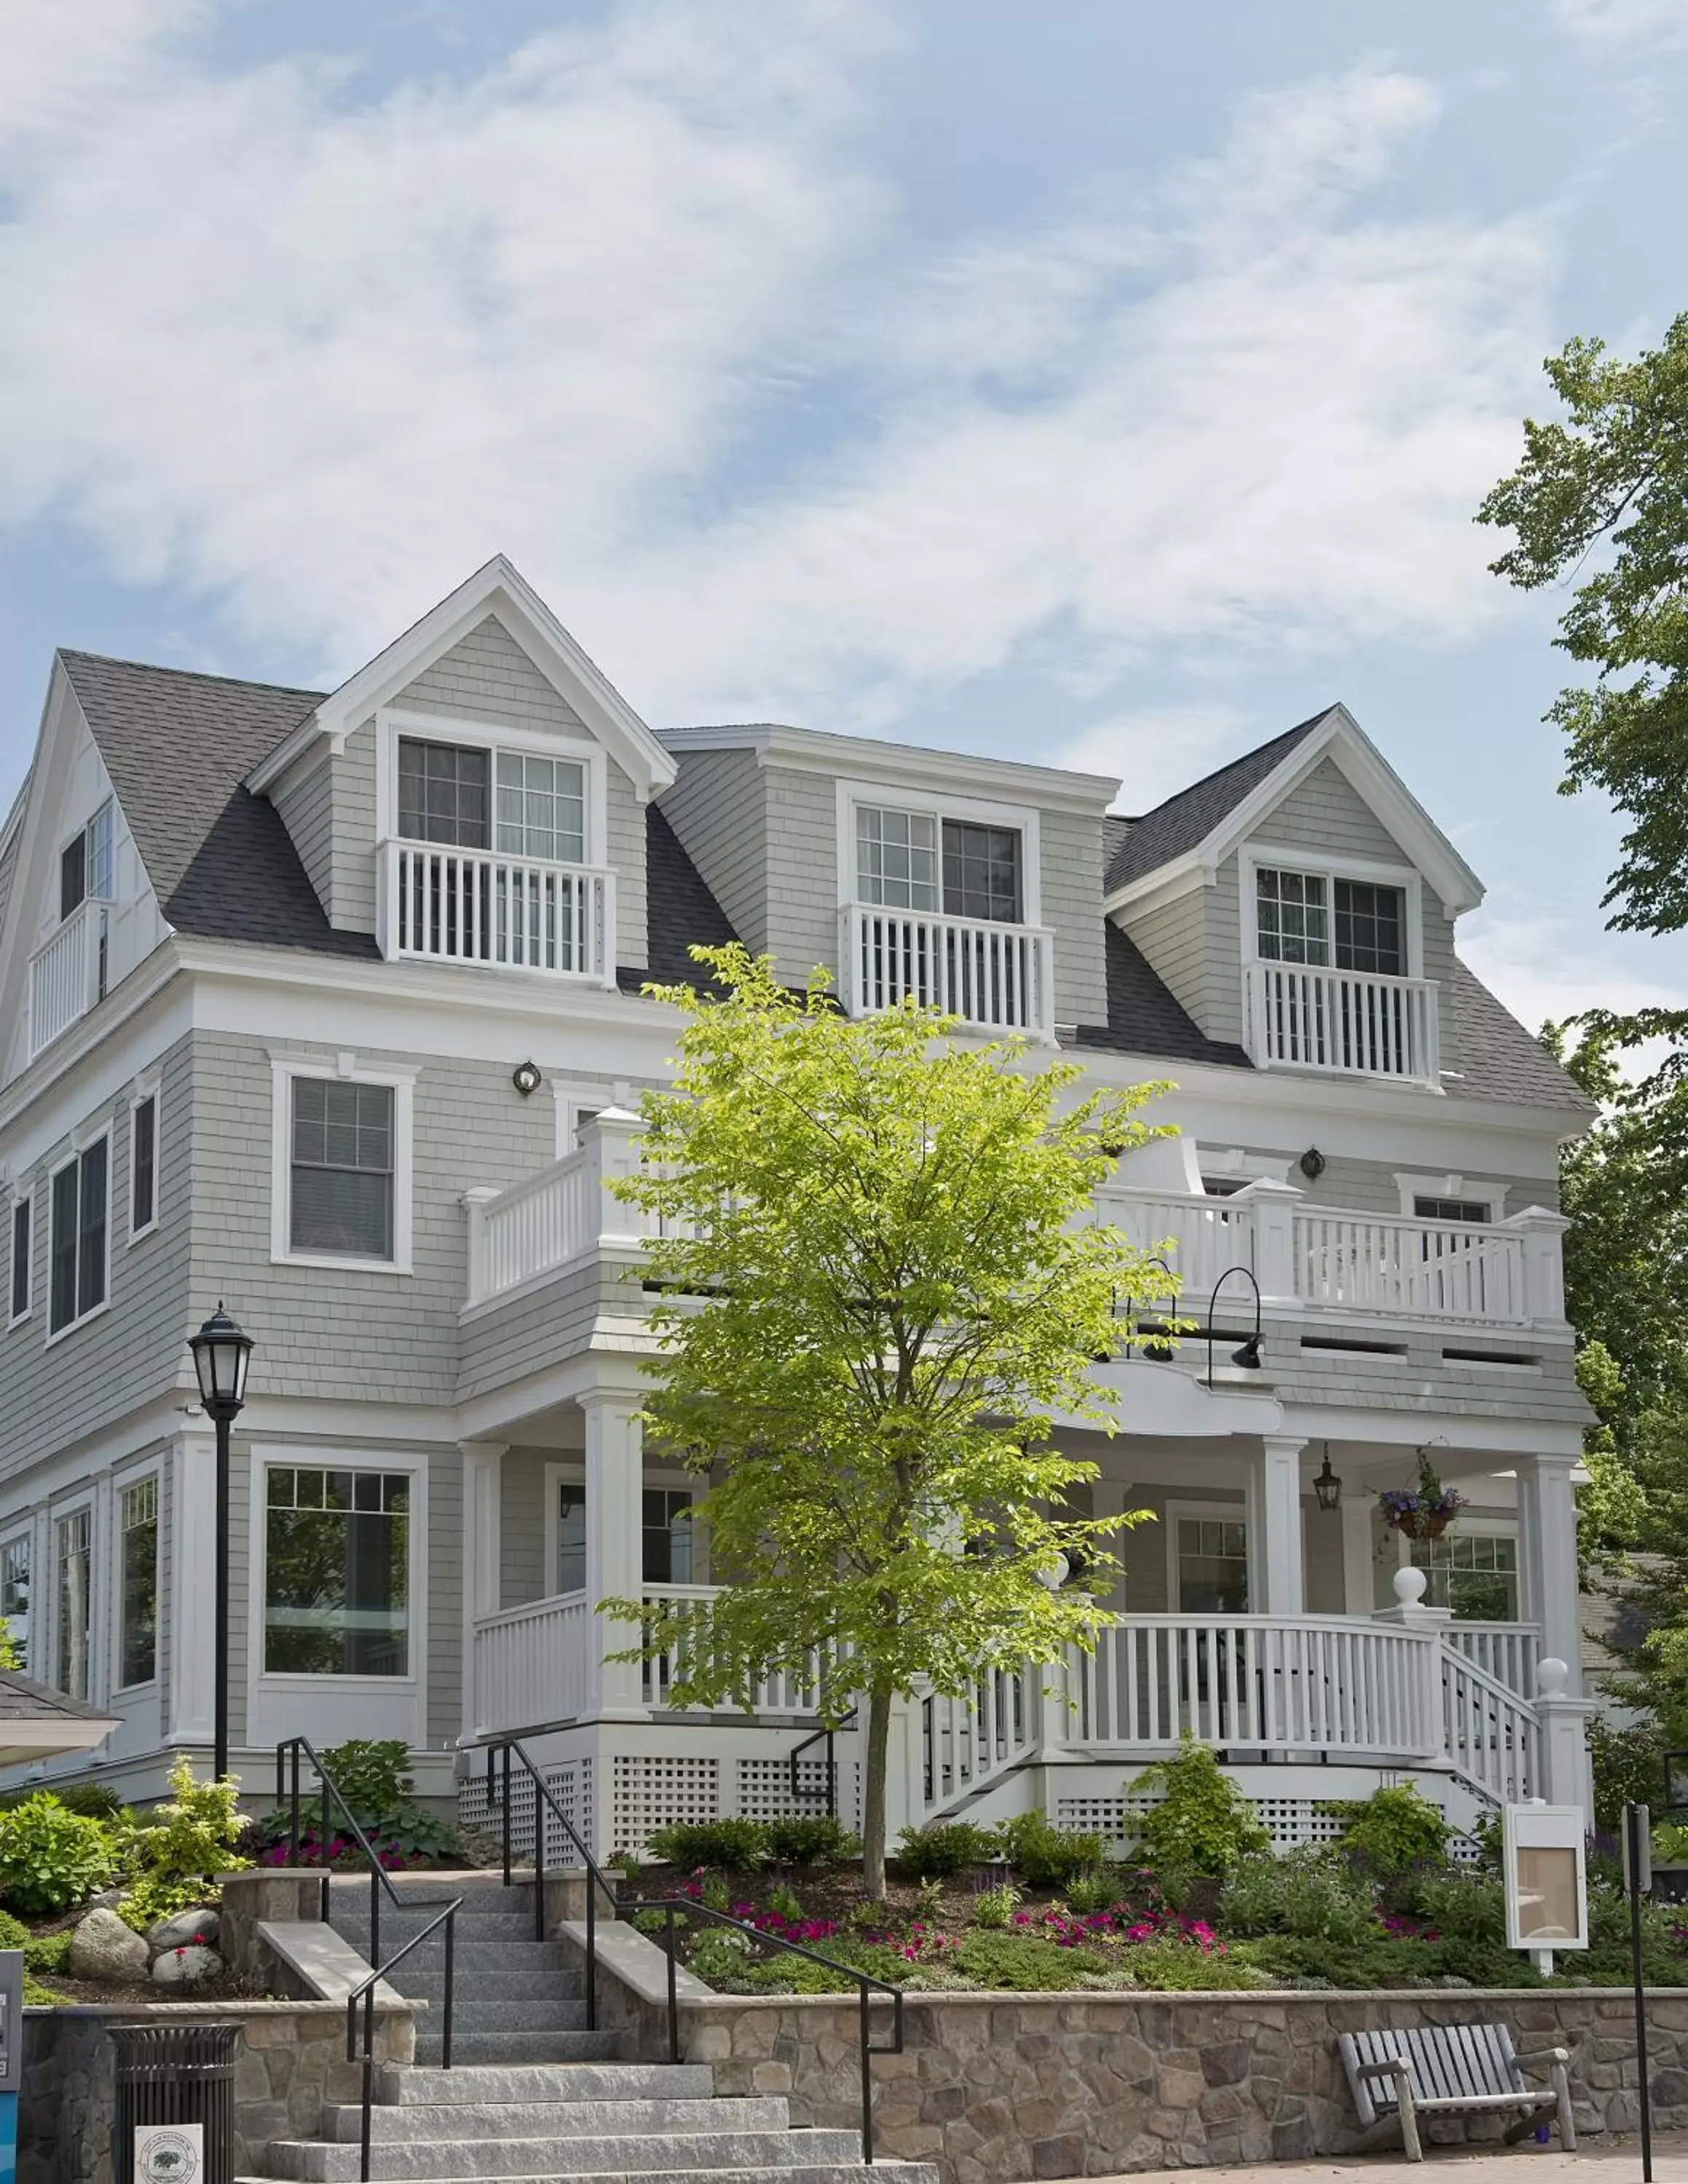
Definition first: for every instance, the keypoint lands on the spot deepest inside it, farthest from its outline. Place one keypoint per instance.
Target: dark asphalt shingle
(1137, 846)
(1495, 1057)
(1143, 1017)
(23, 1699)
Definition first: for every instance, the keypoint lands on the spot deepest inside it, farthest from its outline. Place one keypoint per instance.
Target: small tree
(878, 1286)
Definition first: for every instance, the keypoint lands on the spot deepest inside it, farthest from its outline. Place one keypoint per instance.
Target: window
(669, 1537)
(341, 1200)
(14, 1593)
(541, 808)
(1213, 1566)
(897, 858)
(907, 860)
(139, 1623)
(1304, 918)
(79, 1237)
(571, 1536)
(73, 1553)
(982, 871)
(443, 793)
(336, 1573)
(143, 1154)
(85, 865)
(23, 1255)
(1450, 1209)
(1473, 1574)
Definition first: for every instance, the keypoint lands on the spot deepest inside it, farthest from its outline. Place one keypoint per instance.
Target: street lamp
(220, 1355)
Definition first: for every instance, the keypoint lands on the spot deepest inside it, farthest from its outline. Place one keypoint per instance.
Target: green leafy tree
(879, 1285)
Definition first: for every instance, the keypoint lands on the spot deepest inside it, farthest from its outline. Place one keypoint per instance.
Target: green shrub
(1300, 1960)
(718, 1955)
(372, 1776)
(810, 1839)
(1628, 1768)
(944, 1847)
(996, 1907)
(1022, 1964)
(51, 1858)
(785, 1904)
(94, 1800)
(1461, 1906)
(49, 1952)
(1169, 1966)
(1041, 1855)
(1304, 1894)
(1203, 1824)
(190, 1840)
(14, 1934)
(1393, 1830)
(1092, 1891)
(1607, 1960)
(740, 1846)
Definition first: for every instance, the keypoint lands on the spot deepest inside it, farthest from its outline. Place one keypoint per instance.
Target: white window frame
(107, 803)
(1479, 1527)
(575, 1100)
(29, 1645)
(410, 1687)
(346, 1068)
(391, 723)
(1471, 1188)
(58, 1513)
(81, 1142)
(1225, 1512)
(978, 812)
(26, 1197)
(1328, 866)
(147, 1089)
(120, 1488)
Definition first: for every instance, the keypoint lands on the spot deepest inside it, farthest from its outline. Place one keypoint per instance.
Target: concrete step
(412, 2086)
(546, 2119)
(478, 2012)
(484, 1928)
(428, 1981)
(319, 2161)
(801, 2172)
(521, 2047)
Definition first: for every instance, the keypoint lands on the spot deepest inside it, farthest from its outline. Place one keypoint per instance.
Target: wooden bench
(1450, 2069)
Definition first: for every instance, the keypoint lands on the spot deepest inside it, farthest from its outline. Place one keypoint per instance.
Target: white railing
(1508, 1651)
(68, 974)
(1206, 1235)
(1494, 1737)
(961, 1744)
(1384, 1262)
(535, 1226)
(786, 1691)
(1349, 1022)
(999, 977)
(534, 1665)
(441, 905)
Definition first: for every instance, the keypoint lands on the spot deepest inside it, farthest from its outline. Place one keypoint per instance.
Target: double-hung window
(143, 1164)
(343, 1171)
(73, 1554)
(86, 865)
(138, 1576)
(22, 1256)
(337, 1572)
(80, 1220)
(1316, 918)
(443, 793)
(541, 808)
(668, 1537)
(518, 803)
(14, 1593)
(914, 861)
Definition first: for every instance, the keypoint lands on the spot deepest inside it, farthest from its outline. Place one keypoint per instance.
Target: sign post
(1638, 1876)
(11, 2058)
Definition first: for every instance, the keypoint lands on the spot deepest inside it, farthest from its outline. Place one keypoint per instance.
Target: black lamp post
(1249, 1357)
(220, 1355)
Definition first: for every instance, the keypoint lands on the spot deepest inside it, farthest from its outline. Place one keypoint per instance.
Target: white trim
(146, 1088)
(1232, 1160)
(391, 723)
(56, 1512)
(1327, 865)
(939, 807)
(151, 1466)
(83, 1142)
(570, 1099)
(1175, 1513)
(557, 1472)
(401, 1081)
(810, 750)
(1467, 1187)
(26, 1197)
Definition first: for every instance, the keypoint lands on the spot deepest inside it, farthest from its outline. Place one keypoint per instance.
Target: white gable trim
(1339, 737)
(497, 589)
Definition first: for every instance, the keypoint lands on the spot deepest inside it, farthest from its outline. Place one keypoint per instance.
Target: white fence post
(475, 1204)
(1273, 1204)
(1565, 1775)
(612, 1139)
(1544, 1298)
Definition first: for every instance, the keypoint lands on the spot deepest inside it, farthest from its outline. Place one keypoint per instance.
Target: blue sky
(1091, 382)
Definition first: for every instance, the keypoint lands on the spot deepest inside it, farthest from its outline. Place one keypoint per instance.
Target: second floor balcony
(68, 973)
(1301, 1016)
(447, 904)
(995, 977)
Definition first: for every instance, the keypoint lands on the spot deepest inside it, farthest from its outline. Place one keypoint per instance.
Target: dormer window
(914, 861)
(442, 793)
(85, 865)
(1306, 918)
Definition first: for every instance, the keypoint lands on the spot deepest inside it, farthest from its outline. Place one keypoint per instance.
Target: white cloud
(1623, 22)
(1157, 753)
(318, 359)
(1545, 968)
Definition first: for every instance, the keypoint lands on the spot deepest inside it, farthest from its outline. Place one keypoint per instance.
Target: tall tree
(879, 1285)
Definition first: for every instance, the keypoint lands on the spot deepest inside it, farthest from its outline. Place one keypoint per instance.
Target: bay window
(137, 1521)
(337, 1572)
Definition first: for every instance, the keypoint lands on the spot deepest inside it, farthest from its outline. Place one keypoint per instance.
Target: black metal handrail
(825, 1735)
(674, 1908)
(293, 1749)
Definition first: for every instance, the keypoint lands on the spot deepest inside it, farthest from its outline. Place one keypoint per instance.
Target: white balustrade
(1386, 1263)
(787, 1690)
(534, 1226)
(68, 974)
(1000, 977)
(1507, 1651)
(1351, 1022)
(442, 904)
(1205, 1235)
(959, 1745)
(1493, 1736)
(534, 1664)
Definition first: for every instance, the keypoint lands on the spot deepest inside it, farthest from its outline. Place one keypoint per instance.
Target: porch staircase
(531, 2093)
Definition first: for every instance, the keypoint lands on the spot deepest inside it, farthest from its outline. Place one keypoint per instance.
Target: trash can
(175, 2103)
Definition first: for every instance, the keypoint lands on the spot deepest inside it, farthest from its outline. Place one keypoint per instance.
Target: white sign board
(1542, 1862)
(169, 2152)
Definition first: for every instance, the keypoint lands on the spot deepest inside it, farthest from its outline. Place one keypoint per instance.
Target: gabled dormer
(476, 795)
(1301, 903)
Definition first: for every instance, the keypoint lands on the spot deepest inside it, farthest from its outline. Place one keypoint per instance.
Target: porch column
(1547, 1559)
(1274, 1520)
(483, 1560)
(615, 1482)
(192, 1636)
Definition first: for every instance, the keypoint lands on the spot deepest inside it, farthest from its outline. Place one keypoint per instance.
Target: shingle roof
(1493, 1056)
(679, 910)
(1137, 846)
(22, 1699)
(1144, 1018)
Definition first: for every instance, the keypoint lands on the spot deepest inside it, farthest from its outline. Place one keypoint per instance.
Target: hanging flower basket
(1424, 1510)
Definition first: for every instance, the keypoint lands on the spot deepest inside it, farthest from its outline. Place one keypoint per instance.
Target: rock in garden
(187, 1966)
(187, 1926)
(103, 1948)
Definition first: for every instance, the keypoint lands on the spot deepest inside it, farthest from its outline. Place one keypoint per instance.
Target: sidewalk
(1619, 2152)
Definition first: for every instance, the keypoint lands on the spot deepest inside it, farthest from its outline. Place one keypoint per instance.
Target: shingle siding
(1069, 854)
(802, 870)
(717, 807)
(523, 1574)
(307, 809)
(352, 877)
(1325, 812)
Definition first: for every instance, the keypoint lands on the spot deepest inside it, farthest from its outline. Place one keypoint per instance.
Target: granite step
(485, 1928)
(521, 2047)
(426, 1982)
(543, 2119)
(412, 2085)
(475, 2012)
(319, 2161)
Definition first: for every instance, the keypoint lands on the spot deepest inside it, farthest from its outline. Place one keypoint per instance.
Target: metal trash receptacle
(175, 2103)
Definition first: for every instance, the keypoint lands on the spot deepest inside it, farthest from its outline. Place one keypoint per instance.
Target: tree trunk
(872, 1794)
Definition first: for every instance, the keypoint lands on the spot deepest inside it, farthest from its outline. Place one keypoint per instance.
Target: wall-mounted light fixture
(1327, 1486)
(1249, 1357)
(1312, 1163)
(526, 1077)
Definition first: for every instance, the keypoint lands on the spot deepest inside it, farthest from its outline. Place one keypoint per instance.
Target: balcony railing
(1346, 1022)
(1000, 977)
(1428, 1269)
(68, 974)
(448, 905)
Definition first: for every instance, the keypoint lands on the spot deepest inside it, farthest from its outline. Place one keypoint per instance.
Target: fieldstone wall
(292, 2058)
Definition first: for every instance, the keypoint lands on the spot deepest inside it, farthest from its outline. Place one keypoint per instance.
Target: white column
(1274, 1205)
(615, 1481)
(1566, 1776)
(193, 1552)
(482, 1556)
(1274, 1518)
(1359, 1574)
(1547, 1559)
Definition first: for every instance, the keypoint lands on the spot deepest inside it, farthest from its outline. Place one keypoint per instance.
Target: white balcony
(997, 978)
(68, 974)
(449, 906)
(1344, 1023)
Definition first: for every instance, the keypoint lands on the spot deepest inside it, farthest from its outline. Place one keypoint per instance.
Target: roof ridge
(188, 674)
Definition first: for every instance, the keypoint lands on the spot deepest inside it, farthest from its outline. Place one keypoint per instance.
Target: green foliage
(50, 1858)
(1307, 1894)
(1172, 1967)
(10, 1658)
(873, 1299)
(372, 1776)
(996, 1907)
(810, 1839)
(190, 1840)
(50, 1952)
(1392, 1831)
(1462, 1906)
(714, 1894)
(785, 1902)
(1203, 1824)
(1092, 1891)
(718, 1955)
(740, 1846)
(1041, 1855)
(14, 1934)
(95, 1801)
(1629, 1769)
(944, 1847)
(1022, 1962)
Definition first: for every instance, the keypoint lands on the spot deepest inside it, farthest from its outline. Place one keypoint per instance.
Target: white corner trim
(939, 806)
(401, 1078)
